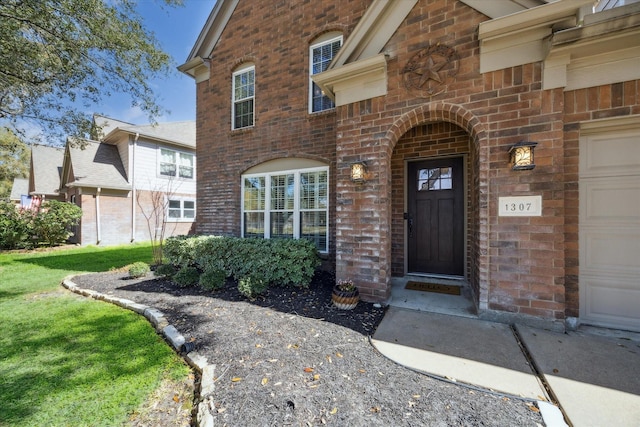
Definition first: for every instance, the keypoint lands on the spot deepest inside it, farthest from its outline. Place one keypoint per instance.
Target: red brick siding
(276, 38)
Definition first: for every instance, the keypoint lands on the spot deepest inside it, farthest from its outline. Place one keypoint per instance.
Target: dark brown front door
(435, 217)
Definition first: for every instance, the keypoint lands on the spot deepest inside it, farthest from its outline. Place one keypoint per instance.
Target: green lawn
(66, 360)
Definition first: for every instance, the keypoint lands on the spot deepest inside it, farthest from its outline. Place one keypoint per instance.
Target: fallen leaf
(236, 379)
(265, 381)
(411, 404)
(416, 396)
(362, 371)
(273, 360)
(339, 354)
(176, 398)
(221, 410)
(334, 411)
(278, 383)
(375, 409)
(534, 409)
(329, 358)
(258, 345)
(308, 369)
(316, 377)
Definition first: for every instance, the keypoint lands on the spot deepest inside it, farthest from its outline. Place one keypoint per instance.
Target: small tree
(155, 214)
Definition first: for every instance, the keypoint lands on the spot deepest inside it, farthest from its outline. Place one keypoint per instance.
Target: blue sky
(177, 29)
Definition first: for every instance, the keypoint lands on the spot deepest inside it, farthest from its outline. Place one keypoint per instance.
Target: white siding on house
(147, 176)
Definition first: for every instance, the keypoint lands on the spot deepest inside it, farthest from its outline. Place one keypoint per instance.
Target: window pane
(313, 190)
(314, 227)
(243, 115)
(167, 156)
(168, 169)
(186, 172)
(174, 209)
(254, 191)
(321, 57)
(281, 225)
(435, 179)
(282, 188)
(254, 224)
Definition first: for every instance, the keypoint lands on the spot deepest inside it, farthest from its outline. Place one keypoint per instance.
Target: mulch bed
(290, 358)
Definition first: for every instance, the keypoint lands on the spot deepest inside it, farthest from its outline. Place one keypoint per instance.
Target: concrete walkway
(594, 379)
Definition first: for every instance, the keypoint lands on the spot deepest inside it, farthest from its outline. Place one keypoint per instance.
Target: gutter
(98, 231)
(133, 188)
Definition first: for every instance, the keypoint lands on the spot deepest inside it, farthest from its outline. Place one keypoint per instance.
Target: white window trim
(177, 175)
(323, 40)
(241, 70)
(296, 201)
(181, 200)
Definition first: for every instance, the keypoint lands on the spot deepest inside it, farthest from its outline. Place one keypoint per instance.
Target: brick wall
(516, 264)
(275, 37)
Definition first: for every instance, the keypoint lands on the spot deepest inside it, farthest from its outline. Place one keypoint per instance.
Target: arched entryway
(437, 207)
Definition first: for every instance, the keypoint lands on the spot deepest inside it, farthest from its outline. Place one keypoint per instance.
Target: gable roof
(377, 25)
(20, 187)
(95, 165)
(175, 133)
(46, 168)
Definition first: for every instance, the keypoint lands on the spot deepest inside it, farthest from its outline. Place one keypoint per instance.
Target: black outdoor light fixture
(521, 155)
(358, 172)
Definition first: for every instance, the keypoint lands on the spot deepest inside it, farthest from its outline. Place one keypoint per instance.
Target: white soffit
(196, 64)
(497, 8)
(604, 51)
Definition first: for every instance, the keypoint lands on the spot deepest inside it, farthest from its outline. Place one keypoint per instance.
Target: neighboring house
(19, 190)
(425, 100)
(131, 181)
(44, 175)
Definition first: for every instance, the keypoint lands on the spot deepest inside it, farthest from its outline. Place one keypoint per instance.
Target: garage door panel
(613, 251)
(610, 154)
(610, 227)
(611, 199)
(613, 306)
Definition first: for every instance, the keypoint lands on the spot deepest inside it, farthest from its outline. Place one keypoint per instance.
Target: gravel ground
(290, 358)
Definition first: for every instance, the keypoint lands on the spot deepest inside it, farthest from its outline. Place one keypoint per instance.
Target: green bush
(279, 262)
(138, 269)
(187, 277)
(165, 270)
(52, 224)
(16, 227)
(212, 279)
(251, 286)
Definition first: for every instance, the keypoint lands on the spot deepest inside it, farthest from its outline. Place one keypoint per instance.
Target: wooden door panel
(436, 216)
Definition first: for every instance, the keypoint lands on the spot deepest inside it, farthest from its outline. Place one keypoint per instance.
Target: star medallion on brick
(429, 70)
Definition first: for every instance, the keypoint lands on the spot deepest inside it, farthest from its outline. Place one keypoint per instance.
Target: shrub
(165, 270)
(212, 279)
(251, 286)
(53, 223)
(187, 277)
(257, 263)
(138, 269)
(15, 227)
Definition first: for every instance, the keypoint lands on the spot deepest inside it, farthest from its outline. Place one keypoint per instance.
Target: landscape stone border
(197, 361)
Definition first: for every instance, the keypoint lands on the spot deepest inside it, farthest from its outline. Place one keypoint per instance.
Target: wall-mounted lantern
(358, 172)
(521, 155)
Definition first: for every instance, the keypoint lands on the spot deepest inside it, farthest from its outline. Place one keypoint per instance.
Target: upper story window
(243, 97)
(320, 55)
(176, 164)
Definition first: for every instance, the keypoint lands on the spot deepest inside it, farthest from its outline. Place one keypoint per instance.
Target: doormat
(433, 287)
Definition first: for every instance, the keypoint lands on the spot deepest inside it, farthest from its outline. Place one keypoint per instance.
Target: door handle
(409, 223)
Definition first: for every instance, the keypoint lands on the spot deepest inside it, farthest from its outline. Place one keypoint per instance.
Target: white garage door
(610, 228)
